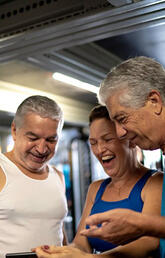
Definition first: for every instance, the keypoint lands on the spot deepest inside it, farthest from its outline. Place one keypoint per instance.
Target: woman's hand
(61, 252)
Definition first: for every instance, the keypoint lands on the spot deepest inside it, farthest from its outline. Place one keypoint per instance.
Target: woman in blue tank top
(129, 185)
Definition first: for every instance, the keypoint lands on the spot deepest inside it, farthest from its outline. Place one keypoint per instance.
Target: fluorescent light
(74, 82)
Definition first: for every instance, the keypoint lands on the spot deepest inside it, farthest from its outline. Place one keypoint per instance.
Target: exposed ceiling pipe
(118, 3)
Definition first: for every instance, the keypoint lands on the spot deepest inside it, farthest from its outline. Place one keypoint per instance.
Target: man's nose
(120, 131)
(42, 146)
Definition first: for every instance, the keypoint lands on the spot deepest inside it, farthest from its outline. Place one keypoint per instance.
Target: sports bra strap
(102, 188)
(135, 190)
(140, 184)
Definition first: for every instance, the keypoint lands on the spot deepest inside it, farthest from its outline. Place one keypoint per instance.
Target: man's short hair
(40, 105)
(136, 77)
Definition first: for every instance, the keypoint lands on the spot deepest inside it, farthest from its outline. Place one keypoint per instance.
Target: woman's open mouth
(106, 160)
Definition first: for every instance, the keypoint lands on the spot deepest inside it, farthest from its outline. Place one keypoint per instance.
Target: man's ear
(155, 101)
(13, 130)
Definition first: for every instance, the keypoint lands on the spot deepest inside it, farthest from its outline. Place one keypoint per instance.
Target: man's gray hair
(40, 105)
(137, 76)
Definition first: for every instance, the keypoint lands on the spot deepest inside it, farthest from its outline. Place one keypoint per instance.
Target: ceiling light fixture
(74, 82)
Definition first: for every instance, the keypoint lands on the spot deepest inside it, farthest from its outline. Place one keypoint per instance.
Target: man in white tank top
(32, 193)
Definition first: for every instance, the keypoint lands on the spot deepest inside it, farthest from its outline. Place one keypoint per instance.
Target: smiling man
(32, 193)
(134, 93)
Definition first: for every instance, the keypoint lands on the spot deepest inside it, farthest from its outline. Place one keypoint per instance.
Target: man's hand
(119, 226)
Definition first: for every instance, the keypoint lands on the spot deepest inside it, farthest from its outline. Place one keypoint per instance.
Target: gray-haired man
(32, 193)
(134, 93)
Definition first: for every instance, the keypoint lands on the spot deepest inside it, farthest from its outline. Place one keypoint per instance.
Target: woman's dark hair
(97, 112)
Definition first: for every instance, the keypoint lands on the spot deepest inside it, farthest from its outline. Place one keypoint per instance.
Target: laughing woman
(129, 185)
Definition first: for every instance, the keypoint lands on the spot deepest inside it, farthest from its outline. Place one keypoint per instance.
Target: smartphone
(22, 255)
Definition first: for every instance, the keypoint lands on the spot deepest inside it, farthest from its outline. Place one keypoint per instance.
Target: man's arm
(142, 247)
(2, 179)
(61, 176)
(65, 252)
(120, 226)
(65, 239)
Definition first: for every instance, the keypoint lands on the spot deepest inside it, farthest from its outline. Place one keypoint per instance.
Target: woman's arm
(144, 246)
(79, 240)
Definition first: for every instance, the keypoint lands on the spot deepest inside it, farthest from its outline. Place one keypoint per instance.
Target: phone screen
(21, 255)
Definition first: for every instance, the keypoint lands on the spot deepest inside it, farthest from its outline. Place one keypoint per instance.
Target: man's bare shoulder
(60, 174)
(2, 179)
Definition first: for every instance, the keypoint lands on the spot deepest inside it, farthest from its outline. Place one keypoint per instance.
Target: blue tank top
(162, 241)
(133, 202)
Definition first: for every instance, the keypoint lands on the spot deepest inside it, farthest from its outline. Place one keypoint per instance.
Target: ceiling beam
(80, 62)
(84, 29)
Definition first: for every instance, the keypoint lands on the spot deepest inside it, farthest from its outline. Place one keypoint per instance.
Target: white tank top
(31, 211)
